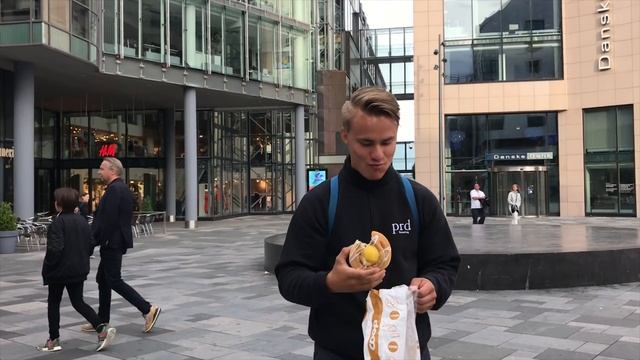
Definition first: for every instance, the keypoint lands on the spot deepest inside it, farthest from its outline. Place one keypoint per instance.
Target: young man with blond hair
(313, 268)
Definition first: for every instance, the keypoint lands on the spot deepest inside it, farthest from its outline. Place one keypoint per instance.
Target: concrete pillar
(23, 134)
(301, 167)
(170, 163)
(190, 159)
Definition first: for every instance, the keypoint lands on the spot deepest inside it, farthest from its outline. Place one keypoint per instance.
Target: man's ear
(344, 134)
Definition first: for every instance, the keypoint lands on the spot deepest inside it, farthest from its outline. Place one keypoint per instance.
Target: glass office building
(203, 95)
(540, 93)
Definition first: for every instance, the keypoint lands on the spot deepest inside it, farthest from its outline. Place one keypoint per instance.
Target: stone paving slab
(218, 303)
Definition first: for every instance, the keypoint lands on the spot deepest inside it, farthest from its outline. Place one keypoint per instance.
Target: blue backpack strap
(333, 203)
(408, 192)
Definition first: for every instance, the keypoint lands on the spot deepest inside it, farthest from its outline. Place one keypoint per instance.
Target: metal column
(190, 159)
(301, 188)
(170, 164)
(23, 128)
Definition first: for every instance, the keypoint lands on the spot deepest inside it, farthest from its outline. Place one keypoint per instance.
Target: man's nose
(377, 153)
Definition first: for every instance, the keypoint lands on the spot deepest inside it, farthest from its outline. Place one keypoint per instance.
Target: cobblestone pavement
(218, 303)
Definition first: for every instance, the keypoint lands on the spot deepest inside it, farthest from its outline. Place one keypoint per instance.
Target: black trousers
(320, 353)
(75, 295)
(109, 278)
(477, 213)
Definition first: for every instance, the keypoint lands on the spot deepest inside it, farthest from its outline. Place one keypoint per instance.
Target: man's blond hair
(115, 165)
(371, 100)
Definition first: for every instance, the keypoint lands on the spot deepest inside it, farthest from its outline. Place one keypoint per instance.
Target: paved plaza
(218, 303)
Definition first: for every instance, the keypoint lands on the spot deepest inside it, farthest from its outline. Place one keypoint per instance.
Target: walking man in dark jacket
(111, 229)
(66, 265)
(313, 268)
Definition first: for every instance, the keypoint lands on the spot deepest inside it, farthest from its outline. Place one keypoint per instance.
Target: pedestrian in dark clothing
(111, 229)
(66, 265)
(83, 208)
(313, 269)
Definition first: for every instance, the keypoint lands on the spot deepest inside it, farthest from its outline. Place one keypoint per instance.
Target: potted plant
(8, 233)
(147, 206)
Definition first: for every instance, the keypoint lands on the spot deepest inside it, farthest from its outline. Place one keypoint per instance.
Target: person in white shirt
(477, 208)
(514, 201)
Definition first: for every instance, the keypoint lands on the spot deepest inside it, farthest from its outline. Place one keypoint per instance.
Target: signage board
(315, 177)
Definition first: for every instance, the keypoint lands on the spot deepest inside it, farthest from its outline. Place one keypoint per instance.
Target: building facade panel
(593, 64)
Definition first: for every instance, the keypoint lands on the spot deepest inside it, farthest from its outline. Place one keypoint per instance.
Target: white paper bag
(389, 326)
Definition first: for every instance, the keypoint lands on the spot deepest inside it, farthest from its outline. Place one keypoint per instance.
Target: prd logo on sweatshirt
(401, 228)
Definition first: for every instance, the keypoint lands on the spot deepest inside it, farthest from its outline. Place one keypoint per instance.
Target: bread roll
(380, 242)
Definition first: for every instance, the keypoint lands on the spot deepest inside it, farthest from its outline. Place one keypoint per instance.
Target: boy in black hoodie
(66, 265)
(314, 269)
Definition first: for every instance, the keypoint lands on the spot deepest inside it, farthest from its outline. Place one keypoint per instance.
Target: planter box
(8, 242)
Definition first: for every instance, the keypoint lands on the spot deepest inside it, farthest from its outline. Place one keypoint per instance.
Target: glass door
(533, 190)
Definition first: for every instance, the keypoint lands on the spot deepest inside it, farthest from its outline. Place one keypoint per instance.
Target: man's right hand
(344, 279)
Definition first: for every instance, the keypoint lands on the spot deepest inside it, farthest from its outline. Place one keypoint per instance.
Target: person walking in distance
(477, 207)
(66, 265)
(111, 229)
(514, 201)
(313, 269)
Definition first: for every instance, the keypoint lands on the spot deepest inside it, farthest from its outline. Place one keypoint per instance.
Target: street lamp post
(440, 67)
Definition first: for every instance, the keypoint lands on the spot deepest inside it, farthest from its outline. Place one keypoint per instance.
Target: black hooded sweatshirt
(335, 320)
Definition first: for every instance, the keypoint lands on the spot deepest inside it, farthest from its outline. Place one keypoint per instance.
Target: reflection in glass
(175, 32)
(268, 33)
(234, 55)
(144, 135)
(14, 10)
(486, 17)
(486, 63)
(459, 66)
(609, 161)
(107, 134)
(253, 49)
(130, 28)
(152, 30)
(75, 137)
(110, 26)
(457, 19)
(195, 23)
(300, 59)
(216, 38)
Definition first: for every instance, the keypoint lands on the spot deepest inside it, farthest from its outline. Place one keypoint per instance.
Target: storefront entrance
(533, 183)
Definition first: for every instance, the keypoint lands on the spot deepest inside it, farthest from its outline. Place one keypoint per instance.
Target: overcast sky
(386, 14)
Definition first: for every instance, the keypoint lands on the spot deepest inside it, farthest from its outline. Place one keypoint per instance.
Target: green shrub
(147, 206)
(7, 218)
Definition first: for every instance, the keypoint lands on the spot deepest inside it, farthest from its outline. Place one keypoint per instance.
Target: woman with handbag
(514, 201)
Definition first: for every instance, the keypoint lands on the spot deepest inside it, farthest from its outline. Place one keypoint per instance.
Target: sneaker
(106, 337)
(88, 327)
(51, 345)
(150, 318)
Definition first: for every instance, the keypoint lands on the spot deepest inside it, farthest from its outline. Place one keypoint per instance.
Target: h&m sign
(603, 11)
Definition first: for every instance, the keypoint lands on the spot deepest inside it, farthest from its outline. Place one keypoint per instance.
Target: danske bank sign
(604, 62)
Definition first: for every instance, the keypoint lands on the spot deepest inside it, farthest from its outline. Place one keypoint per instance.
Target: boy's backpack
(333, 201)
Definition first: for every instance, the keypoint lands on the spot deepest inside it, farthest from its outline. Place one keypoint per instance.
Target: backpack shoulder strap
(408, 192)
(333, 203)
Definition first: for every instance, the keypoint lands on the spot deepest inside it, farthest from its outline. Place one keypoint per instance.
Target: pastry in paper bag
(389, 325)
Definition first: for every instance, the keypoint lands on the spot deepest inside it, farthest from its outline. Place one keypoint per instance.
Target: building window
(15, 10)
(609, 161)
(493, 40)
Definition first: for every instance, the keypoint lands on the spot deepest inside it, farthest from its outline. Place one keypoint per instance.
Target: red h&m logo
(108, 150)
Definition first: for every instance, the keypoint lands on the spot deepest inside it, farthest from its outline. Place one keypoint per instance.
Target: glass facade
(393, 49)
(245, 162)
(228, 39)
(67, 25)
(609, 161)
(497, 150)
(500, 40)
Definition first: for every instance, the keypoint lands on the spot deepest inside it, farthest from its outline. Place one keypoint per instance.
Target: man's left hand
(425, 294)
